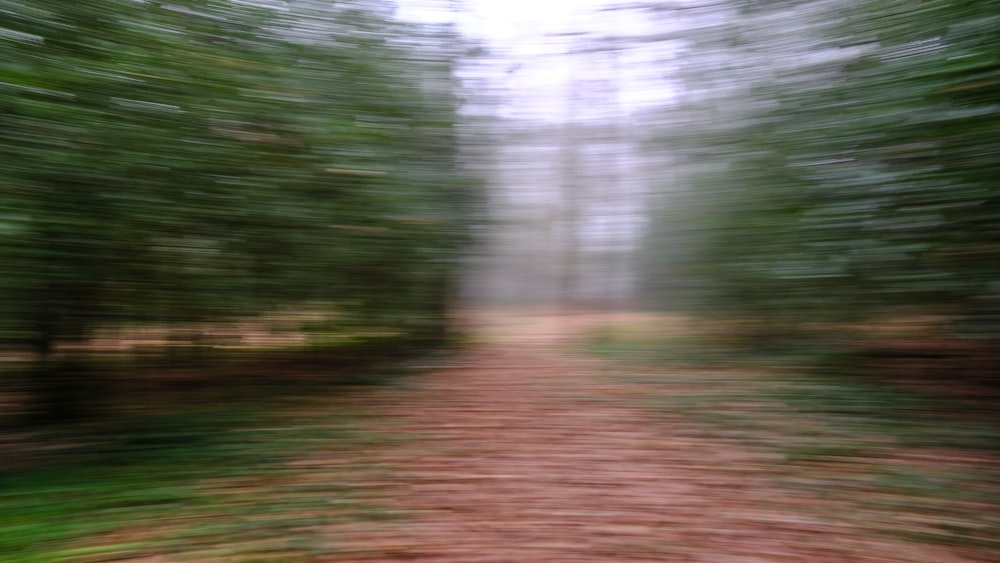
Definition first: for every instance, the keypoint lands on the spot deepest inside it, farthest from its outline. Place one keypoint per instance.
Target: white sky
(501, 20)
(536, 72)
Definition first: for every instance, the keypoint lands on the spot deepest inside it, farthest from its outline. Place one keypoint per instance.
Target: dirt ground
(520, 451)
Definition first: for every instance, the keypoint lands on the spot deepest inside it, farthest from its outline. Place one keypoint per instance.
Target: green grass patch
(192, 481)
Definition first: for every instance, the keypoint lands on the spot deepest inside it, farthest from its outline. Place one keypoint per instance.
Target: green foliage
(166, 163)
(196, 481)
(846, 166)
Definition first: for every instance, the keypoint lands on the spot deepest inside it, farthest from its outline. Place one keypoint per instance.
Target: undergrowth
(208, 479)
(911, 463)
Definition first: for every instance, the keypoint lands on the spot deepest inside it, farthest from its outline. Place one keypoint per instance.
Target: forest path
(520, 450)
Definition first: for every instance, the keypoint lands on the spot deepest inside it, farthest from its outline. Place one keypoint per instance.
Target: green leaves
(857, 172)
(166, 162)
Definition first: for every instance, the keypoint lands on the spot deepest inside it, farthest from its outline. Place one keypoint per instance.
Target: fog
(685, 154)
(550, 280)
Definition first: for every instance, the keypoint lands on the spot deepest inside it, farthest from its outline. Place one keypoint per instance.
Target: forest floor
(523, 448)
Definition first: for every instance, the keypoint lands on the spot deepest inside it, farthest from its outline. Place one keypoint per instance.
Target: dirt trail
(523, 452)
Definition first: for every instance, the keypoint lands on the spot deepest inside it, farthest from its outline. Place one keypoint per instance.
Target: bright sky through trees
(543, 50)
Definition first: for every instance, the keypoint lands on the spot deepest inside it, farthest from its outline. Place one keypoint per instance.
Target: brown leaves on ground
(522, 452)
(518, 451)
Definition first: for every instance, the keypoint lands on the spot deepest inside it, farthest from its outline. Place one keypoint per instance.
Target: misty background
(798, 168)
(241, 238)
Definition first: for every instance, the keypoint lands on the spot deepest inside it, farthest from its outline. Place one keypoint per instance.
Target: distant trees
(169, 162)
(839, 163)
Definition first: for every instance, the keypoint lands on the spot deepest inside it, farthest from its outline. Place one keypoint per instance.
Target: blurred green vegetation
(169, 164)
(836, 164)
(199, 481)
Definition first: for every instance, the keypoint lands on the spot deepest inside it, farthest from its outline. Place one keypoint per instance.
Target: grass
(911, 463)
(202, 480)
(192, 457)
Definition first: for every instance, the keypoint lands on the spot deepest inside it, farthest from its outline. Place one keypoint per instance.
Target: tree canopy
(172, 161)
(840, 162)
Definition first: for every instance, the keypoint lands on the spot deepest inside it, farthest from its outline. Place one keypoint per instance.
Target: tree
(844, 160)
(178, 162)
